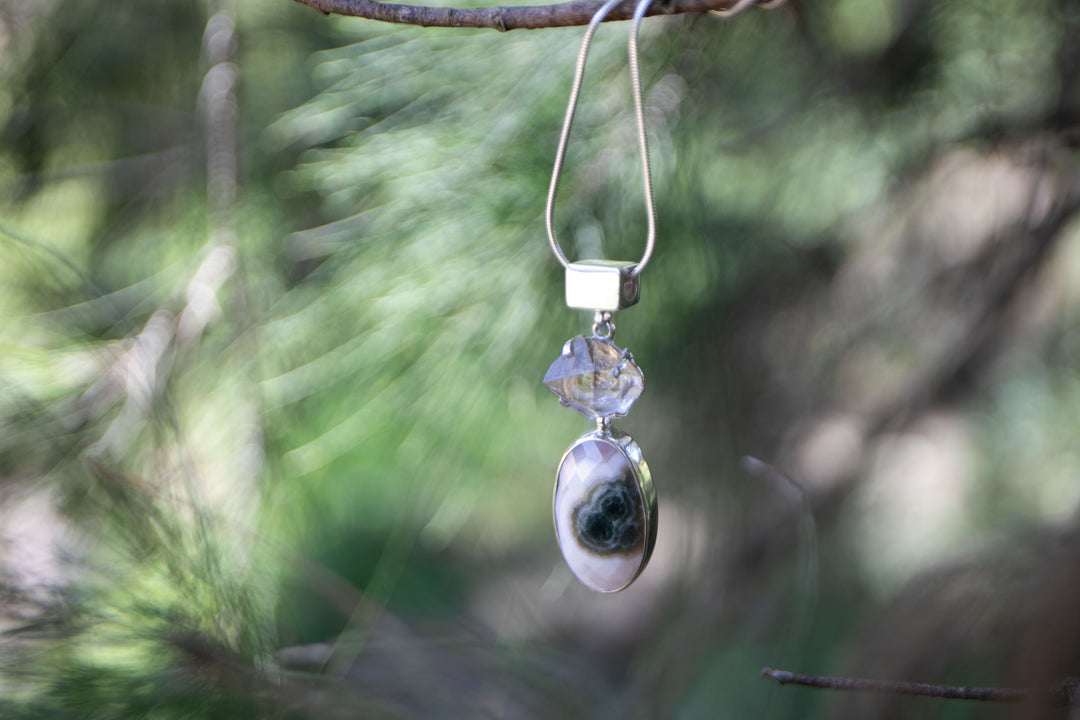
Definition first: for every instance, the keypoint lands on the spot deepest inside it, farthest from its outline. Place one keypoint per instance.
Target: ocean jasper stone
(605, 510)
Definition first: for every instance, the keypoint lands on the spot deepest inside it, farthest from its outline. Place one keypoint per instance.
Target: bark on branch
(1065, 695)
(576, 12)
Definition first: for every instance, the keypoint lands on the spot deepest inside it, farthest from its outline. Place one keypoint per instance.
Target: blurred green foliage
(308, 419)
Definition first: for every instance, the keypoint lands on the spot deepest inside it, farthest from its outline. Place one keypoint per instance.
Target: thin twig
(577, 12)
(954, 692)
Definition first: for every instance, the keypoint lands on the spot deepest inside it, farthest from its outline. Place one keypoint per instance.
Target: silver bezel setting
(630, 451)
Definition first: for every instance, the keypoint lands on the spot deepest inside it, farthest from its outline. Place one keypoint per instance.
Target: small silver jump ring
(602, 327)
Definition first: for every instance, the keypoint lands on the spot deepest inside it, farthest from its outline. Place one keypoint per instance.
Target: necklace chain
(643, 143)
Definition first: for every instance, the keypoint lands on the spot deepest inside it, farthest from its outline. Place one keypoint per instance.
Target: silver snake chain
(643, 143)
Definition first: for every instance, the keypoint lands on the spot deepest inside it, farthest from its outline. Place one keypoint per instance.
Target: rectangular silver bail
(606, 285)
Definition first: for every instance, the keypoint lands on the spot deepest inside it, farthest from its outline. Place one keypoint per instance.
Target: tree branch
(576, 12)
(1067, 694)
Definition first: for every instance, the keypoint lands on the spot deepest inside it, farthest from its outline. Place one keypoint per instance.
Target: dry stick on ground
(1068, 693)
(577, 12)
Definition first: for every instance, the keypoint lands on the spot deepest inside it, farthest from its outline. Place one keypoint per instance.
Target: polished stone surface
(601, 514)
(595, 377)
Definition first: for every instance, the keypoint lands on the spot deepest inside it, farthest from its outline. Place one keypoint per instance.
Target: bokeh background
(276, 300)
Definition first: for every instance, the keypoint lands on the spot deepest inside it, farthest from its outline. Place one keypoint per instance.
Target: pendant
(605, 510)
(605, 503)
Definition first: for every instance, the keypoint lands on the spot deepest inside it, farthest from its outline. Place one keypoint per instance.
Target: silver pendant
(605, 503)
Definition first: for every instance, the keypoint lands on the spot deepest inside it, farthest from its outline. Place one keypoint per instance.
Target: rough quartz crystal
(595, 377)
